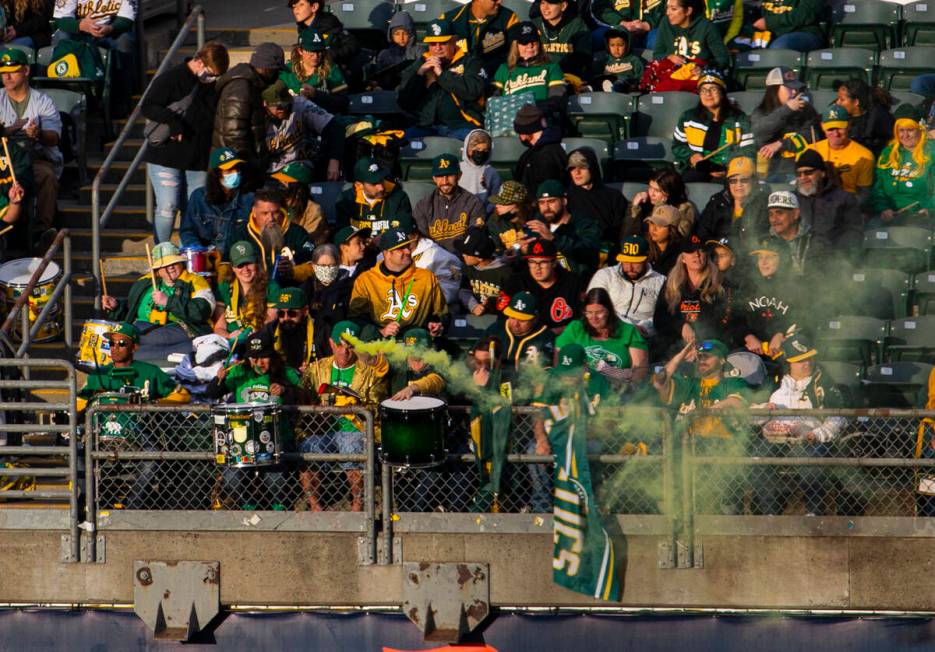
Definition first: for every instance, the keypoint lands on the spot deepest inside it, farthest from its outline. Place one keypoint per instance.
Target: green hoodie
(455, 99)
(700, 40)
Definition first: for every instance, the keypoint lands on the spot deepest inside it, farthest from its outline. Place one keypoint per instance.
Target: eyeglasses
(736, 181)
(805, 172)
(289, 313)
(120, 344)
(709, 90)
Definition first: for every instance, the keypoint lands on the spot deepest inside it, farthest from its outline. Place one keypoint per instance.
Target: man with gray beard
(829, 211)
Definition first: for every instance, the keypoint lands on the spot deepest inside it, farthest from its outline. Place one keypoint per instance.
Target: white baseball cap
(783, 199)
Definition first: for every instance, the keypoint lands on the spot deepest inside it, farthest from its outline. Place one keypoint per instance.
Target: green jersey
(614, 12)
(230, 296)
(332, 82)
(343, 377)
(615, 352)
(691, 394)
(151, 381)
(537, 80)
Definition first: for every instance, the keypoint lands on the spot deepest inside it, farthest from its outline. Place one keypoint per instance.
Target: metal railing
(98, 219)
(61, 295)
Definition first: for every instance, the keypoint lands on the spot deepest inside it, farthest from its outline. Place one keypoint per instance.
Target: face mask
(205, 77)
(480, 156)
(326, 273)
(231, 181)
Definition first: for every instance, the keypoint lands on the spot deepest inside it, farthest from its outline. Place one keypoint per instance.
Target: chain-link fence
(818, 463)
(231, 458)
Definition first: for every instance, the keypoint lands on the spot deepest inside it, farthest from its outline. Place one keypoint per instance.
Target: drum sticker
(221, 438)
(236, 450)
(264, 437)
(258, 416)
(271, 448)
(250, 447)
(240, 434)
(220, 458)
(219, 419)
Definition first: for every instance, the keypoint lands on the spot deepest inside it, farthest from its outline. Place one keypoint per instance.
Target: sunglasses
(120, 344)
(289, 313)
(803, 172)
(736, 181)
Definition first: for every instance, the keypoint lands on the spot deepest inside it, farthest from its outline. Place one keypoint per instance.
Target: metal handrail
(62, 290)
(99, 220)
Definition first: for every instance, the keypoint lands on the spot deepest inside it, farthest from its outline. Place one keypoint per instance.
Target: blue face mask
(231, 181)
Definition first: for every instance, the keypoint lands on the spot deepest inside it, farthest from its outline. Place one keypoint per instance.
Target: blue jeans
(172, 188)
(240, 486)
(924, 85)
(330, 443)
(798, 41)
(438, 130)
(651, 39)
(24, 40)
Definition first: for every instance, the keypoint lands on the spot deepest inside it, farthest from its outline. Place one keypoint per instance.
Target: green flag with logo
(583, 553)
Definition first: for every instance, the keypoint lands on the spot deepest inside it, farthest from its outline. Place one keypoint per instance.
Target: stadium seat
(99, 91)
(374, 103)
(520, 8)
(919, 23)
(699, 193)
(602, 115)
(639, 157)
(658, 113)
(869, 287)
(73, 106)
(852, 338)
(823, 67)
(822, 98)
(30, 52)
(363, 15)
(415, 160)
(425, 11)
(900, 65)
(842, 373)
(506, 152)
(905, 248)
(910, 338)
(906, 97)
(600, 147)
(417, 190)
(865, 23)
(923, 293)
(325, 194)
(747, 101)
(896, 384)
(751, 68)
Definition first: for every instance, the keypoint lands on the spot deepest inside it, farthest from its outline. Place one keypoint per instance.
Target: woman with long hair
(904, 183)
(665, 241)
(783, 123)
(529, 70)
(27, 22)
(685, 33)
(871, 123)
(312, 73)
(665, 187)
(615, 348)
(241, 307)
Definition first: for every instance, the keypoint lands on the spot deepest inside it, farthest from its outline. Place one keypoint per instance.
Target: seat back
(415, 159)
(899, 66)
(906, 248)
(325, 194)
(751, 68)
(657, 114)
(602, 115)
(911, 338)
(865, 23)
(378, 102)
(852, 338)
(919, 23)
(824, 67)
(747, 101)
(868, 287)
(417, 190)
(896, 384)
(923, 293)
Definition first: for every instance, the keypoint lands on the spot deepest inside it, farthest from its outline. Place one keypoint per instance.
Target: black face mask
(480, 156)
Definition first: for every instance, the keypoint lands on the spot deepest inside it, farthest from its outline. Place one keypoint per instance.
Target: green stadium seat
(842, 373)
(632, 188)
(910, 338)
(363, 15)
(823, 67)
(700, 192)
(73, 105)
(906, 248)
(906, 97)
(520, 8)
(600, 147)
(658, 113)
(865, 23)
(415, 160)
(98, 91)
(900, 65)
(417, 190)
(919, 23)
(325, 194)
(639, 157)
(896, 384)
(746, 100)
(506, 152)
(374, 103)
(425, 11)
(923, 293)
(30, 52)
(751, 68)
(852, 338)
(869, 286)
(822, 98)
(602, 115)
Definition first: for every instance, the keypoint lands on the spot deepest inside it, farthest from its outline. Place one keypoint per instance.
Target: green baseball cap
(294, 173)
(311, 40)
(291, 298)
(550, 188)
(223, 158)
(277, 94)
(571, 360)
(343, 329)
(523, 306)
(438, 31)
(12, 59)
(713, 347)
(344, 235)
(445, 164)
(394, 239)
(369, 170)
(835, 117)
(416, 337)
(243, 252)
(127, 329)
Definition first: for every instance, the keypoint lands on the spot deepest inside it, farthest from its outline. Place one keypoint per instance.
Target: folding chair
(700, 192)
(657, 114)
(97, 90)
(417, 190)
(602, 115)
(865, 23)
(746, 100)
(910, 338)
(923, 293)
(906, 248)
(919, 23)
(869, 287)
(73, 107)
(506, 152)
(638, 158)
(374, 103)
(899, 66)
(896, 384)
(852, 338)
(325, 194)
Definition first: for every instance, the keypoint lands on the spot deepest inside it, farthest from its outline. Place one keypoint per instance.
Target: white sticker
(317, 190)
(882, 235)
(347, 6)
(460, 323)
(419, 7)
(417, 144)
(834, 325)
(850, 9)
(827, 56)
(754, 56)
(632, 145)
(899, 54)
(886, 371)
(909, 325)
(931, 278)
(219, 419)
(658, 99)
(584, 100)
(366, 99)
(860, 278)
(920, 7)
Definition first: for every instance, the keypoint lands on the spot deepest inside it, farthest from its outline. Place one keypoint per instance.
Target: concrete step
(78, 216)
(133, 195)
(114, 240)
(130, 147)
(117, 171)
(137, 130)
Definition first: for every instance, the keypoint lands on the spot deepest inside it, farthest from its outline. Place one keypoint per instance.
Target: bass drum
(413, 432)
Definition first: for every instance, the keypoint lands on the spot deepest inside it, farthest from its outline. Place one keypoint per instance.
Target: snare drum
(246, 434)
(115, 428)
(199, 260)
(14, 277)
(94, 347)
(413, 432)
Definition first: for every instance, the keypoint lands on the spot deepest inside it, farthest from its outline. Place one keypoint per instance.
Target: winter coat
(207, 224)
(835, 216)
(812, 393)
(544, 160)
(907, 184)
(240, 122)
(454, 99)
(395, 55)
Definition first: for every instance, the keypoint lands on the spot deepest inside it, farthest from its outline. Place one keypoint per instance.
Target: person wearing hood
(544, 158)
(904, 185)
(831, 213)
(588, 195)
(444, 89)
(271, 231)
(686, 34)
(808, 251)
(372, 201)
(310, 14)
(313, 73)
(485, 276)
(633, 285)
(529, 70)
(620, 70)
(565, 37)
(577, 236)
(240, 121)
(403, 49)
(446, 213)
(478, 176)
(739, 211)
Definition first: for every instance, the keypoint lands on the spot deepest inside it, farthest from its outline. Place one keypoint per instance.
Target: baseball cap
(767, 246)
(511, 192)
(527, 33)
(741, 166)
(342, 329)
(311, 40)
(796, 349)
(835, 117)
(477, 242)
(294, 173)
(550, 188)
(394, 239)
(438, 31)
(369, 170)
(693, 244)
(268, 55)
(634, 249)
(571, 359)
(810, 159)
(712, 245)
(577, 160)
(166, 253)
(783, 76)
(12, 59)
(260, 345)
(445, 164)
(344, 235)
(277, 94)
(291, 298)
(664, 215)
(713, 347)
(404, 223)
(243, 252)
(223, 158)
(712, 76)
(783, 199)
(541, 249)
(522, 306)
(416, 337)
(126, 329)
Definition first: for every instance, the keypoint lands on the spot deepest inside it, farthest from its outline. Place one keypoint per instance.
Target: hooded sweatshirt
(544, 160)
(482, 180)
(627, 67)
(700, 40)
(907, 182)
(395, 56)
(353, 209)
(603, 204)
(446, 219)
(568, 43)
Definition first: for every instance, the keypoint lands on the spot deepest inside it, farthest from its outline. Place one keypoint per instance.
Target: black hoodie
(603, 204)
(544, 160)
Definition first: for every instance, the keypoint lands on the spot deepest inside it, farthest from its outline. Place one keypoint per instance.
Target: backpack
(158, 133)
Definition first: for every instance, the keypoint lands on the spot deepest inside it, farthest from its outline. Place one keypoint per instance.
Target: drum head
(18, 272)
(415, 403)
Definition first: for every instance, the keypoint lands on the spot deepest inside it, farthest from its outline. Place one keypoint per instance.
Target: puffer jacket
(240, 122)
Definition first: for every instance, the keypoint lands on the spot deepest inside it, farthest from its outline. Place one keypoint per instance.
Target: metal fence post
(686, 545)
(387, 514)
(369, 491)
(669, 488)
(73, 453)
(150, 200)
(90, 484)
(66, 255)
(200, 28)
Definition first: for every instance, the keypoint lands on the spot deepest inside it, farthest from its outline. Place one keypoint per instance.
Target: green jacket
(700, 40)
(691, 393)
(579, 243)
(727, 17)
(907, 184)
(152, 381)
(697, 133)
(352, 209)
(488, 40)
(567, 44)
(614, 12)
(455, 99)
(785, 16)
(190, 305)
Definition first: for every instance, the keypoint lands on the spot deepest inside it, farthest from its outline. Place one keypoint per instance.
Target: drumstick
(717, 151)
(7, 228)
(906, 208)
(9, 161)
(103, 278)
(152, 272)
